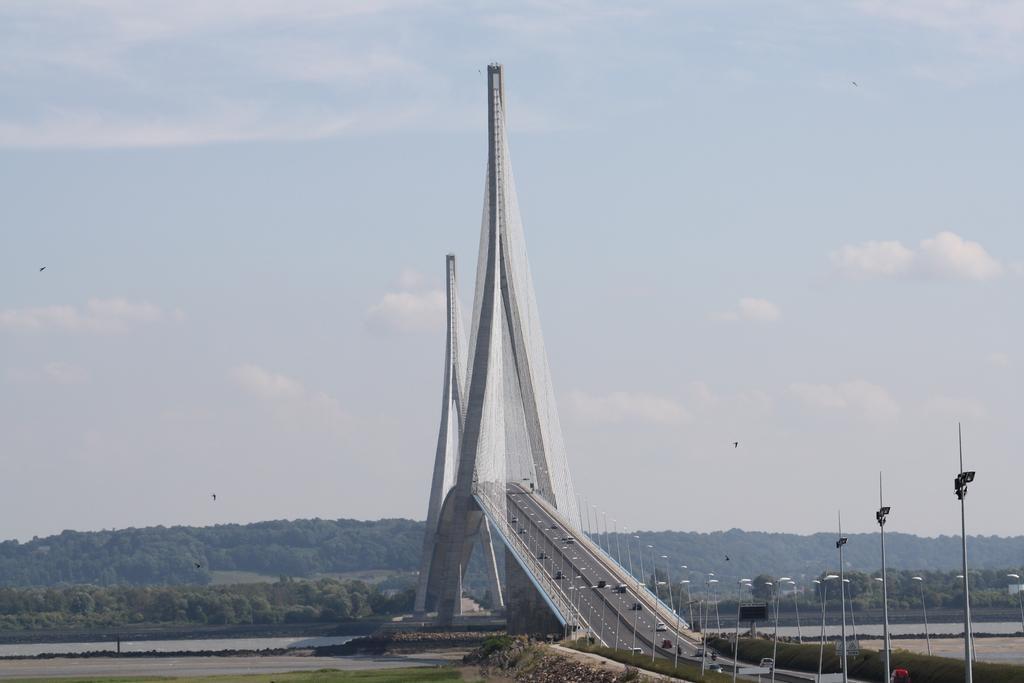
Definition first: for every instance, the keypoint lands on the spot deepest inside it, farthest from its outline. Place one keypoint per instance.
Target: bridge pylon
(510, 431)
(446, 462)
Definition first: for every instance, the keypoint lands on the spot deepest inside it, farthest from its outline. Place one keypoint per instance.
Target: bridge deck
(582, 565)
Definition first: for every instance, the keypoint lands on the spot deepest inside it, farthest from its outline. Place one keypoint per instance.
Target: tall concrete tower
(447, 455)
(510, 432)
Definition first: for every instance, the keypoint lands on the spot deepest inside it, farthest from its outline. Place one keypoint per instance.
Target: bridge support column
(527, 612)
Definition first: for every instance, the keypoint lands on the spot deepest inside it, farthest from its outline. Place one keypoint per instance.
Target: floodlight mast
(883, 511)
(960, 487)
(842, 591)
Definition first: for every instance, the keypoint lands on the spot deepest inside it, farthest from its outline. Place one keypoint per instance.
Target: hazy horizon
(795, 225)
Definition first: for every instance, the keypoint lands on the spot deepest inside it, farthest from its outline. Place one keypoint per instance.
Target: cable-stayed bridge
(501, 469)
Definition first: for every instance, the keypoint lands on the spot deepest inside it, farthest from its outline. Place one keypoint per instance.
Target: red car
(900, 676)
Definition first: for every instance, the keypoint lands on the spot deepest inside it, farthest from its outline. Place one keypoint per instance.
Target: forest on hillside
(307, 548)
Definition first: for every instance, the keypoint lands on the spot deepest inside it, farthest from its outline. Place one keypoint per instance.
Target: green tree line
(286, 601)
(308, 547)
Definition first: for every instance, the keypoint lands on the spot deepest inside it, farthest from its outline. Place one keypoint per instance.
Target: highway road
(582, 567)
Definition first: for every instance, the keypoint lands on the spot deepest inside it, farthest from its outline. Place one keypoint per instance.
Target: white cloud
(874, 258)
(946, 255)
(408, 312)
(410, 278)
(752, 309)
(869, 400)
(955, 408)
(98, 315)
(292, 403)
(746, 402)
(622, 406)
(266, 384)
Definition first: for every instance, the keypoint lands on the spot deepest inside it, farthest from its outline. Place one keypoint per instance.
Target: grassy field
(417, 675)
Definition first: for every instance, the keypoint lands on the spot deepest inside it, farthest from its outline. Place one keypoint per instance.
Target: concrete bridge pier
(526, 611)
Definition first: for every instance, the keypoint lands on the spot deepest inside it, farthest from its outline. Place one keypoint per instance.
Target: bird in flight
(214, 496)
(42, 269)
(198, 566)
(735, 444)
(855, 84)
(726, 558)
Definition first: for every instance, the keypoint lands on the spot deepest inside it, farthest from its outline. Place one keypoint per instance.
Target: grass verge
(410, 675)
(868, 665)
(687, 670)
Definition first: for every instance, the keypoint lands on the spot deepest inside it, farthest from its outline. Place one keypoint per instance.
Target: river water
(192, 645)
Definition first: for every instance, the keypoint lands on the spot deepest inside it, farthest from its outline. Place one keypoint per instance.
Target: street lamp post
(824, 598)
(842, 592)
(880, 516)
(924, 610)
(629, 551)
(736, 643)
(960, 487)
(685, 582)
(707, 616)
(618, 546)
(775, 638)
(853, 617)
(643, 579)
(1020, 599)
(796, 606)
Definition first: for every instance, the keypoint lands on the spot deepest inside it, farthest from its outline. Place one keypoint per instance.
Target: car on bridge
(542, 556)
(602, 583)
(714, 667)
(621, 588)
(660, 627)
(637, 607)
(554, 527)
(636, 650)
(559, 575)
(767, 663)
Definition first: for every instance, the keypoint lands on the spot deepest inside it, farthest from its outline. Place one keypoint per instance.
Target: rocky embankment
(518, 659)
(404, 642)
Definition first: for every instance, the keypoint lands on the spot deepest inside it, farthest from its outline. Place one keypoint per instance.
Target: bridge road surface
(609, 613)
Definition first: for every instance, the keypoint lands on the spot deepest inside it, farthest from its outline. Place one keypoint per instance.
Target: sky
(795, 225)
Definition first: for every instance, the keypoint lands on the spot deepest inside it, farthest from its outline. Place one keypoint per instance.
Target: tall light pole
(654, 572)
(618, 546)
(711, 582)
(685, 582)
(775, 643)
(880, 516)
(707, 617)
(842, 591)
(824, 598)
(736, 644)
(643, 579)
(853, 617)
(796, 606)
(629, 551)
(1020, 599)
(607, 541)
(960, 487)
(974, 649)
(924, 610)
(703, 631)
